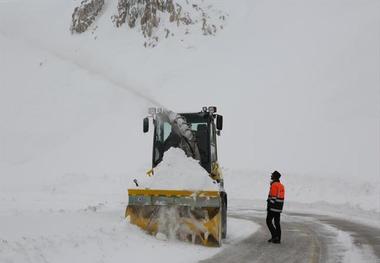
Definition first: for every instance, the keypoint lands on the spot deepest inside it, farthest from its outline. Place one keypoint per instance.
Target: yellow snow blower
(196, 216)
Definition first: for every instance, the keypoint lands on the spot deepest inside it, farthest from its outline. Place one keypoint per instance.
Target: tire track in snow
(362, 235)
(306, 238)
(298, 245)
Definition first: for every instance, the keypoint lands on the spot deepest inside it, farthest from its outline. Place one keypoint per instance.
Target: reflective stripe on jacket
(276, 197)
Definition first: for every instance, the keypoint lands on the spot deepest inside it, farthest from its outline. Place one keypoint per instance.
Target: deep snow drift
(297, 83)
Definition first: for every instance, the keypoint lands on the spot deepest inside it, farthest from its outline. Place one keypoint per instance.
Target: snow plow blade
(184, 215)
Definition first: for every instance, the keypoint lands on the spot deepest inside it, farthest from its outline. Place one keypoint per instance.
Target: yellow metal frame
(157, 192)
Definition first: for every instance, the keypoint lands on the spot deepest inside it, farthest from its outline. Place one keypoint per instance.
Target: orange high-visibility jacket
(276, 197)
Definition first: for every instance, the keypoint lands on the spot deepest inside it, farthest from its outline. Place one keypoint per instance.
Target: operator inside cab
(189, 132)
(190, 147)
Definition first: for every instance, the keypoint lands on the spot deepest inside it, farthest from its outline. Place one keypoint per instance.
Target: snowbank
(177, 171)
(102, 236)
(346, 193)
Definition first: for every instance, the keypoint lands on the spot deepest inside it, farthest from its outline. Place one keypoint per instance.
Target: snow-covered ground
(297, 82)
(95, 236)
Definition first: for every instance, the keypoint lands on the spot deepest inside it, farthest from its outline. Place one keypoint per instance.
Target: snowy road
(306, 238)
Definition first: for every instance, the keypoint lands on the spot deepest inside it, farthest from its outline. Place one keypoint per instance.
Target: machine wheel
(224, 214)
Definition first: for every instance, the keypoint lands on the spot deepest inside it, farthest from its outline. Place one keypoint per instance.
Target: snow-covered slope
(298, 85)
(297, 82)
(305, 75)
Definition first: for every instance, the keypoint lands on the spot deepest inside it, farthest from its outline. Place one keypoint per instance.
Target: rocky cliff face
(85, 14)
(146, 12)
(155, 19)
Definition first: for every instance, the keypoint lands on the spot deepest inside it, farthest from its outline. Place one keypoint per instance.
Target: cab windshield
(167, 136)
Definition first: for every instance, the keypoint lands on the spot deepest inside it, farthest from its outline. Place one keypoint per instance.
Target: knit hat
(276, 175)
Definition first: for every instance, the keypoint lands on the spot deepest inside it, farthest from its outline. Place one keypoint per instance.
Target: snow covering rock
(155, 17)
(158, 19)
(179, 172)
(84, 15)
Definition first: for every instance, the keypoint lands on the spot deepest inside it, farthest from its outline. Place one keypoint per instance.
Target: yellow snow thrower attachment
(185, 215)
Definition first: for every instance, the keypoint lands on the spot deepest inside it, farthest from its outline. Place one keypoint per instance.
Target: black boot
(276, 240)
(270, 240)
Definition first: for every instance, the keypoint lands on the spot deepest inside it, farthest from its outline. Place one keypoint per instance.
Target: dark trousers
(275, 229)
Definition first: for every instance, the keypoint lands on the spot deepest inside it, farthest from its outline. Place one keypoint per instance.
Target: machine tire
(224, 214)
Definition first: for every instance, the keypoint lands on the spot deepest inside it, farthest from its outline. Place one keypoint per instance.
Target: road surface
(306, 238)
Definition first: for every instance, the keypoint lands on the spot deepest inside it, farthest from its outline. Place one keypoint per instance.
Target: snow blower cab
(198, 216)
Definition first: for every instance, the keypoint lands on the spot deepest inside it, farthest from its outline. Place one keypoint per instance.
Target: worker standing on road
(274, 207)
